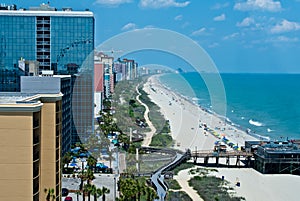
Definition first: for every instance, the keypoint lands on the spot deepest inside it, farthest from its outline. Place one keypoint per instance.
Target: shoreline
(200, 125)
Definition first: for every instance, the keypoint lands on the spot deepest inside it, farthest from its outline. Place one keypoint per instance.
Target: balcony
(36, 123)
(43, 57)
(43, 21)
(43, 36)
(43, 43)
(43, 49)
(43, 28)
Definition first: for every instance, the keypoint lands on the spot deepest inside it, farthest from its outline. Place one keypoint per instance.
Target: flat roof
(13, 97)
(22, 102)
(22, 98)
(46, 13)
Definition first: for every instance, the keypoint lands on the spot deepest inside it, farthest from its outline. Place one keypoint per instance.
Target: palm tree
(110, 157)
(87, 190)
(83, 178)
(97, 192)
(66, 158)
(78, 193)
(50, 194)
(104, 191)
(89, 176)
(91, 161)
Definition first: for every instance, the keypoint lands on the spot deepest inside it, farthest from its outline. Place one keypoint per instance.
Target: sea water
(265, 104)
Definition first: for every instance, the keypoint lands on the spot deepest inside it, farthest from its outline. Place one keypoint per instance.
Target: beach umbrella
(235, 147)
(82, 155)
(73, 165)
(101, 165)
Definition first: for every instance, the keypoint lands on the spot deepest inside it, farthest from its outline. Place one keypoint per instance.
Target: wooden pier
(206, 154)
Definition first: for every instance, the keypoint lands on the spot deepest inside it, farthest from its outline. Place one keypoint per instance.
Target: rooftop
(13, 97)
(42, 10)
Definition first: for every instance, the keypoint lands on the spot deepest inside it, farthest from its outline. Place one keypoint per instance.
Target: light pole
(115, 187)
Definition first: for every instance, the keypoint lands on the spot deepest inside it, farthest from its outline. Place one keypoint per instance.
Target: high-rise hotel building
(30, 133)
(59, 40)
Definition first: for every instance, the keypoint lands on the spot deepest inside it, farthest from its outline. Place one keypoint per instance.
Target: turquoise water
(267, 104)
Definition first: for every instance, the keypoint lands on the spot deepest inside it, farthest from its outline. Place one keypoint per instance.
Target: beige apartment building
(30, 133)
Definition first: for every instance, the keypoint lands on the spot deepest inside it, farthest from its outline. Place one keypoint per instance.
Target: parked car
(68, 198)
(64, 191)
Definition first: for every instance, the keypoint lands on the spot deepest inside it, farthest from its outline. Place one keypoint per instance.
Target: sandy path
(148, 137)
(182, 178)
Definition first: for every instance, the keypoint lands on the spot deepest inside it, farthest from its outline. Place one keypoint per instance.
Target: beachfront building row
(45, 38)
(30, 132)
(107, 73)
(126, 69)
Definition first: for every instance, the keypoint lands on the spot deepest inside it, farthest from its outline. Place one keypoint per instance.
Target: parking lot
(107, 180)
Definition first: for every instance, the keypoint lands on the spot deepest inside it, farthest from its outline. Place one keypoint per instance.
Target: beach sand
(186, 122)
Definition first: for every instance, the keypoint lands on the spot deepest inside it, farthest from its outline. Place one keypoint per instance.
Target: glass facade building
(62, 41)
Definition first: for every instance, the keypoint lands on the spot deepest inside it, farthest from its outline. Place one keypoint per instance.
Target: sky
(240, 36)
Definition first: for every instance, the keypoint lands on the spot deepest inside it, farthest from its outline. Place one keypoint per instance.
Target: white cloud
(162, 3)
(186, 24)
(246, 22)
(178, 18)
(149, 27)
(287, 39)
(128, 26)
(213, 45)
(264, 5)
(282, 39)
(220, 17)
(219, 6)
(231, 36)
(199, 32)
(285, 26)
(112, 2)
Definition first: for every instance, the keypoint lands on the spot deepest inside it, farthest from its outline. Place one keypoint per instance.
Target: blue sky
(239, 35)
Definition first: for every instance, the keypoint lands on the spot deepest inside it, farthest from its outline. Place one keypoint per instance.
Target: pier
(237, 155)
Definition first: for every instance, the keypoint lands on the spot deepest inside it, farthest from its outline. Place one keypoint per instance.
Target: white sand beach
(187, 120)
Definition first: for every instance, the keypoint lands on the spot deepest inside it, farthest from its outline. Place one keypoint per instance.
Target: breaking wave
(255, 123)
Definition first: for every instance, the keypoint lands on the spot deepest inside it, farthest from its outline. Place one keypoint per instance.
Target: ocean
(266, 104)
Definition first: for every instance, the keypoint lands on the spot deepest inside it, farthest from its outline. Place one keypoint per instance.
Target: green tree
(141, 189)
(151, 194)
(97, 192)
(110, 157)
(50, 195)
(87, 189)
(128, 189)
(77, 194)
(89, 176)
(104, 191)
(91, 161)
(66, 158)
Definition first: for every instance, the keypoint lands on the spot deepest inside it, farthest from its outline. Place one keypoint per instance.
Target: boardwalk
(228, 155)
